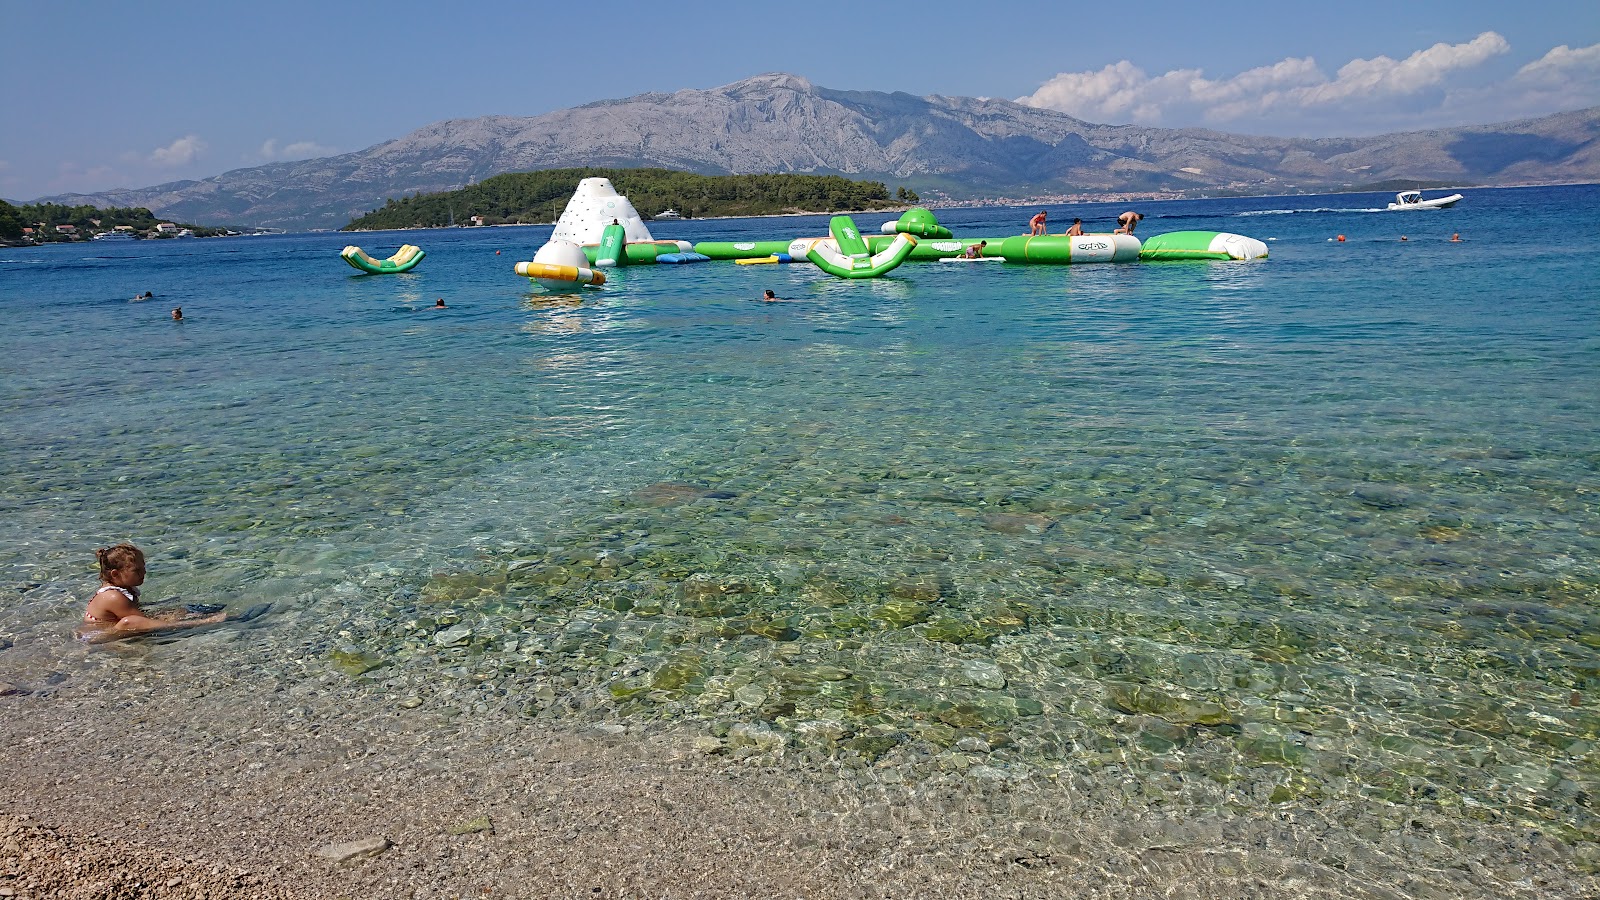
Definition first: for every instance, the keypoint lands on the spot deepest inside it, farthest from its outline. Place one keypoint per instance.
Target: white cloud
(1381, 76)
(181, 152)
(270, 151)
(1562, 65)
(1442, 84)
(1563, 79)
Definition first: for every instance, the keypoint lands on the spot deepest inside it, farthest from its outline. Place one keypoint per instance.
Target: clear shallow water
(1318, 531)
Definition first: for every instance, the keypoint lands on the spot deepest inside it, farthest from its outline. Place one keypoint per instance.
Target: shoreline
(256, 790)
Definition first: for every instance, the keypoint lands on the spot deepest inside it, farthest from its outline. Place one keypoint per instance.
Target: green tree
(525, 196)
(10, 221)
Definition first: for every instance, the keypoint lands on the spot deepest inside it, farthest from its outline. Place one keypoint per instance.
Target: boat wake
(1320, 209)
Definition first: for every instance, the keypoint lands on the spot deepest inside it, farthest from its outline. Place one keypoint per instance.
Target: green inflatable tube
(404, 260)
(848, 255)
(935, 248)
(612, 252)
(1058, 249)
(634, 253)
(741, 249)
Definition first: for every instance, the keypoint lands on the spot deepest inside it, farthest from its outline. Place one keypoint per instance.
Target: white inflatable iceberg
(594, 205)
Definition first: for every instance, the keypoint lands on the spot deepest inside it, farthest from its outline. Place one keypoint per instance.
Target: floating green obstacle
(1202, 245)
(845, 254)
(1056, 249)
(919, 222)
(613, 247)
(404, 260)
(634, 253)
(749, 249)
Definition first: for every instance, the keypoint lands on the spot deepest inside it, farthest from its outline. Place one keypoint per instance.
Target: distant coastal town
(54, 223)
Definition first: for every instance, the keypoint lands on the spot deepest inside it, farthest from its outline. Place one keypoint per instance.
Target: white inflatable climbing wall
(594, 205)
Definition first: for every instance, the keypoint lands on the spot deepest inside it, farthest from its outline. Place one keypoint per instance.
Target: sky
(102, 95)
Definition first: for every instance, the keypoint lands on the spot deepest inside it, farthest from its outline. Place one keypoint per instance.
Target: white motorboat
(1413, 200)
(668, 214)
(112, 236)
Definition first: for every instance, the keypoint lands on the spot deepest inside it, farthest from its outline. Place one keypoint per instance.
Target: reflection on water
(1240, 537)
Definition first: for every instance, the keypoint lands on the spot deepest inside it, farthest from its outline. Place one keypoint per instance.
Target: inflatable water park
(599, 229)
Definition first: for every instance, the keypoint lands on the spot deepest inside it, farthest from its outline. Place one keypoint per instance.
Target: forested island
(46, 223)
(535, 197)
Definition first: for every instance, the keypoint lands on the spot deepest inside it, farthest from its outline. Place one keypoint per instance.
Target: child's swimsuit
(133, 598)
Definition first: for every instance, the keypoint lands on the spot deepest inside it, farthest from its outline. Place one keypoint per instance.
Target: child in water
(114, 611)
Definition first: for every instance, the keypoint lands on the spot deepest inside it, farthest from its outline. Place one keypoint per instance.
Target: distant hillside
(529, 197)
(959, 146)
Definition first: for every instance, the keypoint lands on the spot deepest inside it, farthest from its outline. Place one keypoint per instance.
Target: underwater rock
(352, 661)
(678, 671)
(1014, 523)
(900, 613)
(1143, 698)
(1382, 496)
(983, 673)
(672, 493)
(956, 631)
(759, 735)
(926, 588)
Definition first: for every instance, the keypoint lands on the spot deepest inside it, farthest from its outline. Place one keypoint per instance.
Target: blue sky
(101, 95)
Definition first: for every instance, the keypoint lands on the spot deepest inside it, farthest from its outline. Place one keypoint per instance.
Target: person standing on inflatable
(1036, 224)
(1127, 222)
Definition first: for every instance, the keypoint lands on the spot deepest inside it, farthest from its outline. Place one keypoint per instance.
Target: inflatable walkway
(404, 260)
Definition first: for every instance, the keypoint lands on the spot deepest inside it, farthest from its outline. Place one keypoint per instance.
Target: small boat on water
(1413, 200)
(668, 214)
(112, 236)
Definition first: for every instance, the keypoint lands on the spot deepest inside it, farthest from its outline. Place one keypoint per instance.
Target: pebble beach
(382, 803)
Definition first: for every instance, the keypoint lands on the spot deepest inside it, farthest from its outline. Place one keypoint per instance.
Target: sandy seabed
(128, 780)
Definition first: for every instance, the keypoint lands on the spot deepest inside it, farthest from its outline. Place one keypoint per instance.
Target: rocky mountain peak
(767, 85)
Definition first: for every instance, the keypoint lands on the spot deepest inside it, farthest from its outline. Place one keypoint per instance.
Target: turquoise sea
(1318, 531)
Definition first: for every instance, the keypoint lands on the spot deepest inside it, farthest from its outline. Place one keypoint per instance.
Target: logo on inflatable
(1094, 245)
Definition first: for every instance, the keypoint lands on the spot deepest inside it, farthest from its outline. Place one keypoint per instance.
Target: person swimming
(114, 611)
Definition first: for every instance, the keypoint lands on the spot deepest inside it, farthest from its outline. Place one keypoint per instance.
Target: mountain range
(951, 147)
